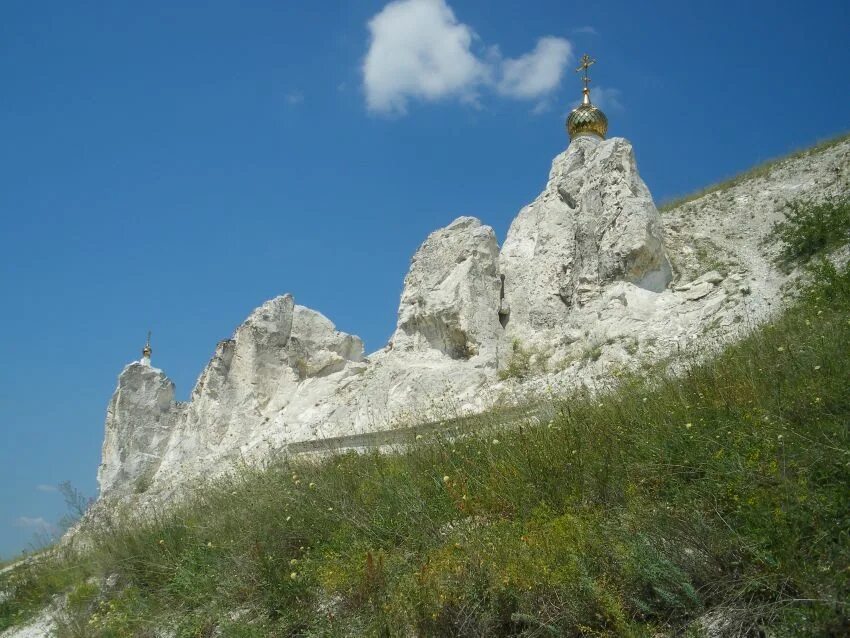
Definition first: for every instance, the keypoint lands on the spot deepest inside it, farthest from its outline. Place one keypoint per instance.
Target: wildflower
(298, 482)
(162, 541)
(288, 518)
(495, 441)
(294, 477)
(293, 575)
(780, 349)
(330, 509)
(644, 399)
(817, 367)
(779, 438)
(820, 312)
(446, 479)
(312, 486)
(689, 425)
(294, 561)
(817, 399)
(418, 437)
(209, 544)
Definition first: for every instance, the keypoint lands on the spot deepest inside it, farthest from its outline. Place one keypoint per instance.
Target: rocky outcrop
(280, 363)
(451, 295)
(139, 421)
(595, 223)
(589, 284)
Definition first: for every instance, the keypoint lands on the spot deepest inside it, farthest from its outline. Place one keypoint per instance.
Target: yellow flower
(446, 479)
(293, 576)
(689, 425)
(312, 486)
(495, 441)
(418, 437)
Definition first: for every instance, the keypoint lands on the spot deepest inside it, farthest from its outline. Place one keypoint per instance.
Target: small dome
(587, 119)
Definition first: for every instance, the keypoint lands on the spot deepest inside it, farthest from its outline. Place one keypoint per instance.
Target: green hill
(713, 499)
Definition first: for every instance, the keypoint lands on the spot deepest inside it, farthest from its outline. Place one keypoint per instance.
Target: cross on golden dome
(146, 351)
(586, 119)
(586, 63)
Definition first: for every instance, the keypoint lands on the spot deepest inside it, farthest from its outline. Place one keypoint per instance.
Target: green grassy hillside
(719, 495)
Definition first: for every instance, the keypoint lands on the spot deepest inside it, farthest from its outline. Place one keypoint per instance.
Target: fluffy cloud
(419, 50)
(536, 73)
(607, 99)
(37, 523)
(46, 488)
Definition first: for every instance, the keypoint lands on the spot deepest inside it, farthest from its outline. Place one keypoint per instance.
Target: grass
(722, 491)
(757, 171)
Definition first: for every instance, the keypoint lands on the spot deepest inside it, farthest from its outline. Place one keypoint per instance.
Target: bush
(810, 229)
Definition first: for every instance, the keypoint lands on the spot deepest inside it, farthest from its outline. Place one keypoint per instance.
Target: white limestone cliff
(591, 280)
(139, 422)
(595, 223)
(452, 294)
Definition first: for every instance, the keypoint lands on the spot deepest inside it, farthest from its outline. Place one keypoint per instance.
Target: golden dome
(146, 351)
(586, 118)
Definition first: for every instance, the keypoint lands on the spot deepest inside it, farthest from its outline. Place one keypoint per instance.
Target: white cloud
(294, 98)
(606, 98)
(46, 488)
(588, 30)
(419, 50)
(33, 522)
(538, 72)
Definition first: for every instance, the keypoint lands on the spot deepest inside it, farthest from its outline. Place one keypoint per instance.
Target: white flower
(293, 575)
(495, 441)
(446, 479)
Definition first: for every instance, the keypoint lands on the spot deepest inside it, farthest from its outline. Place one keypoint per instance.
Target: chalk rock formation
(139, 422)
(451, 294)
(584, 282)
(594, 223)
(259, 377)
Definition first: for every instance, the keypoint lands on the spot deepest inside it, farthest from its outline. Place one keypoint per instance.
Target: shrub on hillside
(810, 229)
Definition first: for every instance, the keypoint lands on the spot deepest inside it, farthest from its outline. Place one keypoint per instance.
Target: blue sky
(171, 165)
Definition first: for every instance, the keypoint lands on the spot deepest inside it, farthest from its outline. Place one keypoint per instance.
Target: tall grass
(719, 495)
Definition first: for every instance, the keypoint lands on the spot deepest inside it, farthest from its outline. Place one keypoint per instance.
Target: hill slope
(712, 502)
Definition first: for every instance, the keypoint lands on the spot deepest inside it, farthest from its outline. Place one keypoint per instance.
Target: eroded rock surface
(595, 223)
(139, 422)
(452, 293)
(591, 282)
